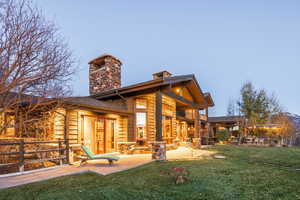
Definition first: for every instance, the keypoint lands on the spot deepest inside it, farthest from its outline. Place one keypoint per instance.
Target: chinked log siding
(123, 129)
(59, 124)
(73, 126)
(171, 112)
(131, 120)
(71, 118)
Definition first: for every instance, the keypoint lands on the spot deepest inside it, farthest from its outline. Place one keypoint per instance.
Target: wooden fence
(62, 148)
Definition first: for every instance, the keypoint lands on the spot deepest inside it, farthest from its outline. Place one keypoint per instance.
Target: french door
(99, 134)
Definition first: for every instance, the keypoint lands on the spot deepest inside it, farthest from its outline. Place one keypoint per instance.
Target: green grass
(247, 173)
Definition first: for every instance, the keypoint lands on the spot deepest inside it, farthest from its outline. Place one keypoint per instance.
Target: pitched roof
(209, 99)
(150, 85)
(225, 119)
(89, 102)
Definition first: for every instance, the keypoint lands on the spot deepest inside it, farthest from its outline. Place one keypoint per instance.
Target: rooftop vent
(161, 75)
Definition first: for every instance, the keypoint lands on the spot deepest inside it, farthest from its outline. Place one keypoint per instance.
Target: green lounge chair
(91, 156)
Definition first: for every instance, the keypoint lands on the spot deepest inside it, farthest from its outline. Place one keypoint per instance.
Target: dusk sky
(224, 43)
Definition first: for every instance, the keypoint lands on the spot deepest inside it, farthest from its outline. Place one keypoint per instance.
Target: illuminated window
(141, 104)
(190, 113)
(167, 127)
(10, 124)
(167, 109)
(141, 124)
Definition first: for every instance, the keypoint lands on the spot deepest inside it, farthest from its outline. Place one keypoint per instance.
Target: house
(169, 109)
(229, 123)
(279, 129)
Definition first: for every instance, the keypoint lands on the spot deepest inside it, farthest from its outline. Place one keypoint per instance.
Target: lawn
(246, 173)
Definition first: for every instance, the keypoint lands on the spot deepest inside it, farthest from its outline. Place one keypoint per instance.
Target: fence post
(21, 156)
(60, 152)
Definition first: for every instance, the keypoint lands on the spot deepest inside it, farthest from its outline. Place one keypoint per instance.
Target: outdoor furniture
(91, 156)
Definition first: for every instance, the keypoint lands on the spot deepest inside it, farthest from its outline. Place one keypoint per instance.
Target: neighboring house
(167, 108)
(230, 123)
(234, 125)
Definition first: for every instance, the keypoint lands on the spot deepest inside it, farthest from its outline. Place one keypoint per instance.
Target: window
(167, 130)
(141, 118)
(141, 122)
(9, 120)
(167, 109)
(141, 104)
(190, 114)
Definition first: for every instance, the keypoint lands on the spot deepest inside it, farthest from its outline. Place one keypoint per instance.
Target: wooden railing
(62, 148)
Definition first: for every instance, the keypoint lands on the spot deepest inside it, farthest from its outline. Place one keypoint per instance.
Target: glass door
(100, 136)
(89, 132)
(110, 144)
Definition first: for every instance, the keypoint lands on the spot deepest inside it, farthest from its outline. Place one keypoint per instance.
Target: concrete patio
(100, 166)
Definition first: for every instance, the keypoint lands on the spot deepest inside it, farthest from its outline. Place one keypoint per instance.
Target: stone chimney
(104, 74)
(161, 75)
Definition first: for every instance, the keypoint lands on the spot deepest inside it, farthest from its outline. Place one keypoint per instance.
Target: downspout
(123, 98)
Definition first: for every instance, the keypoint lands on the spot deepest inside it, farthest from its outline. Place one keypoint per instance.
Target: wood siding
(172, 113)
(59, 124)
(73, 126)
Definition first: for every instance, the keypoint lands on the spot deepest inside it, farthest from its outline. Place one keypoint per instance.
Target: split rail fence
(60, 146)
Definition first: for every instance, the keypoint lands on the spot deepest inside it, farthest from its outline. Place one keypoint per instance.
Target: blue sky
(224, 43)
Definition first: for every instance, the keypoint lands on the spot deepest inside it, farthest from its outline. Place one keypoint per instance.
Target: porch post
(66, 138)
(159, 146)
(158, 116)
(197, 128)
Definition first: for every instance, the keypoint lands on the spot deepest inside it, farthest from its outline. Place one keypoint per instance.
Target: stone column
(159, 151)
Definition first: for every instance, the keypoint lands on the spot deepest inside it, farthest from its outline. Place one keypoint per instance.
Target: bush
(223, 135)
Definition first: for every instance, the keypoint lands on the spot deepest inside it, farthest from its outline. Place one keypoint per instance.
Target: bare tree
(231, 108)
(36, 64)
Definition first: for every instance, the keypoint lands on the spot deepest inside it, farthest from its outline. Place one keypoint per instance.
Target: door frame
(97, 117)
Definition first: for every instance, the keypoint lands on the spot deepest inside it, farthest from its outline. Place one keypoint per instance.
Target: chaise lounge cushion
(98, 156)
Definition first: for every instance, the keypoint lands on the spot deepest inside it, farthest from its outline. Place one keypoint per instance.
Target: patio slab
(100, 166)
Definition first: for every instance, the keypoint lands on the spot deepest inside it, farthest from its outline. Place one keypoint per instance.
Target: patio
(100, 166)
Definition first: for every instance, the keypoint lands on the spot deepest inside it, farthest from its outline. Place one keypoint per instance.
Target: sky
(224, 43)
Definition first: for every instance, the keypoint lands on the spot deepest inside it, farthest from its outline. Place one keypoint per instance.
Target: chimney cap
(161, 75)
(101, 58)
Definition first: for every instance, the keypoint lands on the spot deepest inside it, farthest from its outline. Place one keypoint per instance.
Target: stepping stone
(219, 157)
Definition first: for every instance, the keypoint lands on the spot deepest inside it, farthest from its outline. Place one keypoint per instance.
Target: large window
(141, 118)
(167, 109)
(141, 124)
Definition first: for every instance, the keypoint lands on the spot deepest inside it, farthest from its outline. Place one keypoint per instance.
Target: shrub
(223, 135)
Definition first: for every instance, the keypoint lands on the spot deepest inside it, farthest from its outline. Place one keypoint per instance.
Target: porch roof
(89, 102)
(225, 119)
(189, 79)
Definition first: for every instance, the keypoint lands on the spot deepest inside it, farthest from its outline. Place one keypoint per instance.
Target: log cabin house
(172, 109)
